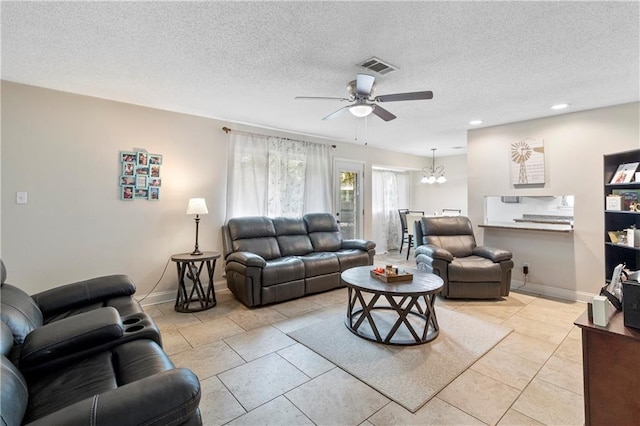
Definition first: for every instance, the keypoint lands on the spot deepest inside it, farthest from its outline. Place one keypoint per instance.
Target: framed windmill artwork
(527, 162)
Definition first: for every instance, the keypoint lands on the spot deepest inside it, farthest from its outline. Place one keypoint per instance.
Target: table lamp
(197, 206)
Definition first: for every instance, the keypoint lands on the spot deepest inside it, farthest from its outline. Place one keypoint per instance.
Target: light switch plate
(21, 197)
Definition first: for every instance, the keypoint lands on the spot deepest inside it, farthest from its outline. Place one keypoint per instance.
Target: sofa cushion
(294, 245)
(107, 370)
(251, 227)
(454, 234)
(321, 222)
(281, 270)
(323, 231)
(350, 258)
(292, 236)
(474, 269)
(320, 264)
(266, 247)
(61, 387)
(325, 241)
(289, 226)
(457, 245)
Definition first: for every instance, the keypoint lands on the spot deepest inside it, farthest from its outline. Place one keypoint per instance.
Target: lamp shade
(197, 206)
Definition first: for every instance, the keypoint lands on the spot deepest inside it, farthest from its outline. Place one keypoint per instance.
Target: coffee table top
(422, 283)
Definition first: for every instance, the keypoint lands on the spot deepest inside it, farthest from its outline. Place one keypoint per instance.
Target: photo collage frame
(140, 177)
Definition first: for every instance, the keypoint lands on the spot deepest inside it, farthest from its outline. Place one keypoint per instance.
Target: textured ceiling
(246, 61)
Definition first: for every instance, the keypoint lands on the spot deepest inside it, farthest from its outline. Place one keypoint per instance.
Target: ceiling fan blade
(411, 96)
(322, 98)
(382, 113)
(364, 84)
(336, 113)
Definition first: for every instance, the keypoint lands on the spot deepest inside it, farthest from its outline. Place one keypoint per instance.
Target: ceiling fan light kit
(363, 103)
(361, 110)
(433, 174)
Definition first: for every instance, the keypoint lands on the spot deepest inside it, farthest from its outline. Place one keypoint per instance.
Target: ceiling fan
(363, 103)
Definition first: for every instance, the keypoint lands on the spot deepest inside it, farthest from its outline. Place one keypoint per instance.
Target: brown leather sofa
(272, 260)
(448, 248)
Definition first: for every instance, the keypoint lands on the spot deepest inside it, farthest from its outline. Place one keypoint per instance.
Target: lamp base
(196, 252)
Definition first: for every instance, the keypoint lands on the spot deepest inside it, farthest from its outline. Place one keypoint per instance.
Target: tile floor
(252, 373)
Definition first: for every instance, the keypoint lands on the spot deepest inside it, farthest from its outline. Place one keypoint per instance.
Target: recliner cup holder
(134, 328)
(131, 321)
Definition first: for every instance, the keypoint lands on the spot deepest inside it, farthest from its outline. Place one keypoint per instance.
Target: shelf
(623, 246)
(623, 185)
(621, 211)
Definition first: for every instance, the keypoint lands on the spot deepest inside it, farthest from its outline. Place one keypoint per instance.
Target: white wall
(449, 195)
(63, 148)
(564, 265)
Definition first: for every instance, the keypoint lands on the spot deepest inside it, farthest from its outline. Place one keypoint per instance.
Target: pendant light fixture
(433, 174)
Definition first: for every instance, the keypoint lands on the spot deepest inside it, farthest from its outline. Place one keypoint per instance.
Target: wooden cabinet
(618, 220)
(610, 357)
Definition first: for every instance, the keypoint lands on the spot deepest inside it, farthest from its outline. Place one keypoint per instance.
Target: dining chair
(407, 229)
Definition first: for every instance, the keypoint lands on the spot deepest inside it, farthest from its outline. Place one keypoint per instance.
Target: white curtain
(271, 176)
(390, 193)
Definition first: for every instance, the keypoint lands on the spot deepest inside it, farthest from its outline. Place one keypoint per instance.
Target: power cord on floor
(160, 279)
(526, 277)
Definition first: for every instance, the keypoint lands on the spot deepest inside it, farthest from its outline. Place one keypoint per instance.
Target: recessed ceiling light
(475, 122)
(560, 106)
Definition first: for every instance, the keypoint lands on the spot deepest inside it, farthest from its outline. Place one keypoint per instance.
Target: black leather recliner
(131, 383)
(96, 366)
(25, 313)
(448, 249)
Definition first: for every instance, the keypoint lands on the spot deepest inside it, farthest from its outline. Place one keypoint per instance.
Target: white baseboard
(170, 295)
(530, 288)
(558, 293)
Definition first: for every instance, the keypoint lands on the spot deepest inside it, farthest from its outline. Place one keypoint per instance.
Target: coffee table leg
(402, 317)
(430, 301)
(365, 312)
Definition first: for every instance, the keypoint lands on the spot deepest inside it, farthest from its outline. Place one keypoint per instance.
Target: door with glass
(348, 190)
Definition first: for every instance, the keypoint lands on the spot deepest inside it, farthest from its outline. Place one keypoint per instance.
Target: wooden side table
(190, 267)
(610, 367)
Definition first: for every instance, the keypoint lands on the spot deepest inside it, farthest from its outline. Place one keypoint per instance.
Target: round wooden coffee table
(409, 304)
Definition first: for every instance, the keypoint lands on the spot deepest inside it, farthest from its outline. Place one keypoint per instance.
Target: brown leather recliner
(448, 249)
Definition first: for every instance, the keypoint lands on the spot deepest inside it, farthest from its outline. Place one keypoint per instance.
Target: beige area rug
(409, 375)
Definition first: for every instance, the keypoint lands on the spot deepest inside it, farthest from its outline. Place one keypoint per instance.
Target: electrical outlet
(525, 268)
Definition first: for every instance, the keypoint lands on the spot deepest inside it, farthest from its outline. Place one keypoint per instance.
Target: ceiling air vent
(376, 65)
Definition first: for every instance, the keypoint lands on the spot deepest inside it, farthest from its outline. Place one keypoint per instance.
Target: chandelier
(433, 174)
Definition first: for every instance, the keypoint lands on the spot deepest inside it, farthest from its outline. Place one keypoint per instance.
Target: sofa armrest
(170, 397)
(247, 259)
(493, 254)
(83, 293)
(72, 335)
(358, 244)
(434, 252)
